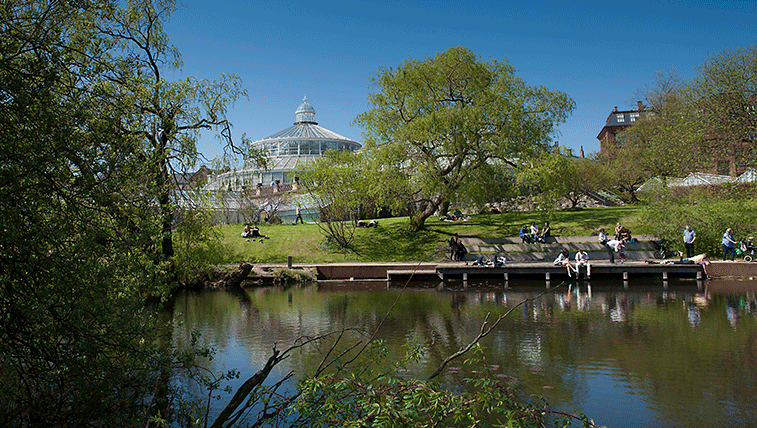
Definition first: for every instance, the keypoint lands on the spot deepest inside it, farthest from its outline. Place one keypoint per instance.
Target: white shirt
(615, 244)
(561, 259)
(582, 257)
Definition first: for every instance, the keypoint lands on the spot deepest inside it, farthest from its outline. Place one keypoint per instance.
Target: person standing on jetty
(603, 239)
(689, 236)
(728, 243)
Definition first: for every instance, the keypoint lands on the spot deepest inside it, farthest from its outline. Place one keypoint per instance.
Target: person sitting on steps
(545, 232)
(621, 233)
(524, 236)
(535, 237)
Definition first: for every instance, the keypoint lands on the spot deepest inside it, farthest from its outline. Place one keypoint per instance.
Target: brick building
(611, 135)
(726, 157)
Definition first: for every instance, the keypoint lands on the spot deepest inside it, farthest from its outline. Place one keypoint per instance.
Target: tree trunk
(234, 279)
(418, 221)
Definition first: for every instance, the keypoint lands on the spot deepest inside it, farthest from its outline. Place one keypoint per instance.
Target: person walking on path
(728, 243)
(689, 236)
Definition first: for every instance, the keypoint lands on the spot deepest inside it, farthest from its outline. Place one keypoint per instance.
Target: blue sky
(599, 53)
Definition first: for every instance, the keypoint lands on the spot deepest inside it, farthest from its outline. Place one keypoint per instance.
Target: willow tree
(442, 118)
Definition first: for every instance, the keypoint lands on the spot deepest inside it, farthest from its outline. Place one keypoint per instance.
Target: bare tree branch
(485, 331)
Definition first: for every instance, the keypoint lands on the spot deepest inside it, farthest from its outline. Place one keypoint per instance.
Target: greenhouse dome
(287, 150)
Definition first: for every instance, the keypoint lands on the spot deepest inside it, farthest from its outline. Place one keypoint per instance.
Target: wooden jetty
(459, 271)
(535, 261)
(523, 261)
(548, 271)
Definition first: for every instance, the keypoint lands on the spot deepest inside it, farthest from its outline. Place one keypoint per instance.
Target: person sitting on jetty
(582, 259)
(564, 260)
(524, 236)
(483, 261)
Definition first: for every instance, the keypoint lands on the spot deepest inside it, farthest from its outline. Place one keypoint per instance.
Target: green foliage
(347, 187)
(199, 242)
(543, 177)
(382, 395)
(709, 213)
(441, 119)
(86, 209)
(707, 124)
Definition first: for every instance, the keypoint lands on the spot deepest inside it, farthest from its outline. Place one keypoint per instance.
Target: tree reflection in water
(642, 356)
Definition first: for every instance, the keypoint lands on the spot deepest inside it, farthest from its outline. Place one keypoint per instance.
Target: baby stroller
(747, 249)
(662, 251)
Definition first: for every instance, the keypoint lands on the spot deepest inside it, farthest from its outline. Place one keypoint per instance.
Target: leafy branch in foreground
(358, 384)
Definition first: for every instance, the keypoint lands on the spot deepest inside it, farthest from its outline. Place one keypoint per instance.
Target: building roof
(305, 128)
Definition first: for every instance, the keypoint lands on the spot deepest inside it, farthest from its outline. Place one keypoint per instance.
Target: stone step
(539, 256)
(524, 248)
(551, 240)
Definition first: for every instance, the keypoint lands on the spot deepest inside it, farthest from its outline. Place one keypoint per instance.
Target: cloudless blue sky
(599, 53)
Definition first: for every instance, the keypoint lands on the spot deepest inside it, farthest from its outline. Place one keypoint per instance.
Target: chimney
(639, 105)
(616, 109)
(582, 151)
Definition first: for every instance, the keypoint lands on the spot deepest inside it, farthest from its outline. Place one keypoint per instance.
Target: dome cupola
(305, 113)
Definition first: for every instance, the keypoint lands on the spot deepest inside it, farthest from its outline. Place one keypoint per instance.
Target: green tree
(724, 94)
(165, 116)
(440, 119)
(77, 345)
(707, 124)
(626, 169)
(546, 178)
(91, 134)
(554, 178)
(348, 186)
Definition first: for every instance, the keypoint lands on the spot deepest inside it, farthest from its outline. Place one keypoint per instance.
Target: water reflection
(646, 356)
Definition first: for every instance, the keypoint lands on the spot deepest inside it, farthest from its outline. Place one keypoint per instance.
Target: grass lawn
(393, 241)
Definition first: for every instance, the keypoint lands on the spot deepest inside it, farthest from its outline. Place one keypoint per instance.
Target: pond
(646, 355)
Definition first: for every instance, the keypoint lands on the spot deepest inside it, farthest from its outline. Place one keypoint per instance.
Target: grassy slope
(392, 241)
